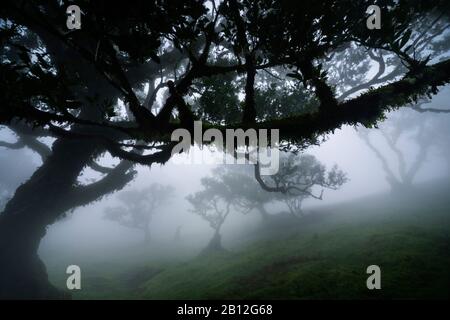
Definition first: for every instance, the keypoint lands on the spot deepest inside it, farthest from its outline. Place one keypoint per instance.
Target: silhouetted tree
(138, 207)
(67, 85)
(299, 176)
(214, 209)
(402, 168)
(177, 235)
(235, 187)
(350, 77)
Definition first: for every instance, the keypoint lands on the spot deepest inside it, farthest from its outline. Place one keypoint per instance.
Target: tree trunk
(400, 186)
(214, 245)
(35, 205)
(263, 212)
(49, 193)
(177, 236)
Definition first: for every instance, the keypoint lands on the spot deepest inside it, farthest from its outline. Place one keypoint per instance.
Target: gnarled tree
(402, 170)
(235, 187)
(77, 86)
(138, 206)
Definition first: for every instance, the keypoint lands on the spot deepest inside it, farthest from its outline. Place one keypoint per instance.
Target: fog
(85, 235)
(355, 114)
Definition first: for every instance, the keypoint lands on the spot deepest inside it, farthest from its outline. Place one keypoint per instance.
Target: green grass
(323, 256)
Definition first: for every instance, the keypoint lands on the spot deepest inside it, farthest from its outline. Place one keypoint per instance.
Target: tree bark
(52, 189)
(35, 205)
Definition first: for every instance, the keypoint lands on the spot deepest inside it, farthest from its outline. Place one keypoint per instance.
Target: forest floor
(321, 256)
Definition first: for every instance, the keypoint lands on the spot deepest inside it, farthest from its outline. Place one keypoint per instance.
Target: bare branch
(12, 145)
(99, 168)
(419, 108)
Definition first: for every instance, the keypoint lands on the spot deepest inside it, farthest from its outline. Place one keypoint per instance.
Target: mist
(89, 176)
(85, 236)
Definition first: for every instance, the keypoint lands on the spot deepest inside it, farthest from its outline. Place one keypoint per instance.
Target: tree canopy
(234, 187)
(138, 206)
(47, 70)
(137, 70)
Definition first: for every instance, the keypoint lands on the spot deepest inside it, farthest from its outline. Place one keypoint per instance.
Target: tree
(350, 77)
(22, 274)
(299, 176)
(400, 172)
(235, 187)
(214, 209)
(88, 89)
(138, 207)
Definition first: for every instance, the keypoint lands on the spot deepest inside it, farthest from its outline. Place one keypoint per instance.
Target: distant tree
(214, 209)
(138, 207)
(67, 85)
(365, 67)
(399, 133)
(300, 176)
(235, 187)
(177, 235)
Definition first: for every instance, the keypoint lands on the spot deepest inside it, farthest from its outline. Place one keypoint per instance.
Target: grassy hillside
(322, 256)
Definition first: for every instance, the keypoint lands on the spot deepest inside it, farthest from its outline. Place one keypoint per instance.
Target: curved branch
(12, 145)
(118, 178)
(99, 168)
(368, 108)
(390, 175)
(289, 189)
(263, 185)
(419, 108)
(27, 141)
(40, 148)
(400, 158)
(375, 79)
(158, 157)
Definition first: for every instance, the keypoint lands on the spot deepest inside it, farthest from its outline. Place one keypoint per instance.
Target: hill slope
(321, 256)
